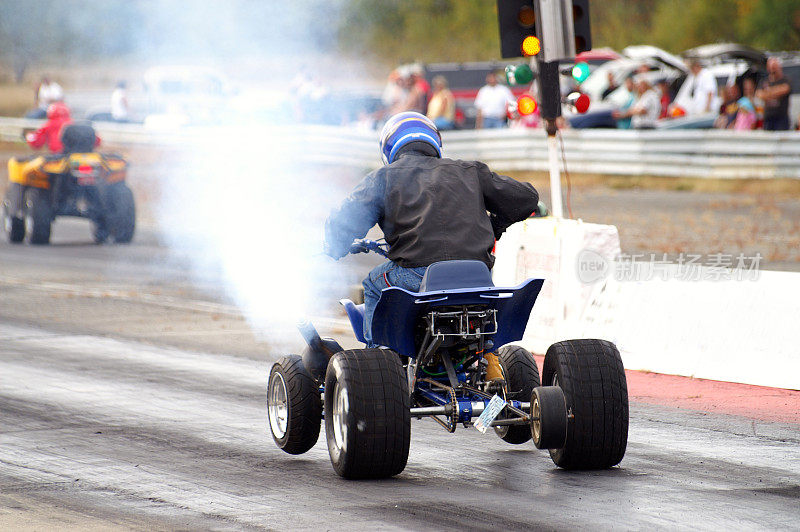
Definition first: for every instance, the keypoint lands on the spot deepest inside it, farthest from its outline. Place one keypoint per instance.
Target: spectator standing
(492, 103)
(119, 103)
(729, 108)
(621, 115)
(396, 91)
(665, 97)
(644, 112)
(746, 117)
(702, 95)
(47, 93)
(442, 107)
(421, 86)
(612, 86)
(415, 97)
(775, 91)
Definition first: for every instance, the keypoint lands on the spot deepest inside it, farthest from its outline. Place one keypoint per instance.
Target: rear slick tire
(591, 374)
(367, 413)
(294, 406)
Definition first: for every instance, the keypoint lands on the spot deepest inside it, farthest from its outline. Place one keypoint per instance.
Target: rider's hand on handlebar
(358, 247)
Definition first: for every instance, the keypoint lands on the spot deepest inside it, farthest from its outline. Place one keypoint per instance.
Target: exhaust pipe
(319, 350)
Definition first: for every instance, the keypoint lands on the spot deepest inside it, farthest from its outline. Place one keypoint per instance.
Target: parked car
(660, 65)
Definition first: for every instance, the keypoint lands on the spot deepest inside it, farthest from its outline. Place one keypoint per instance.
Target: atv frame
(433, 364)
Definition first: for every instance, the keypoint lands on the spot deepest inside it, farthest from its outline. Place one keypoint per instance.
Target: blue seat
(452, 274)
(356, 315)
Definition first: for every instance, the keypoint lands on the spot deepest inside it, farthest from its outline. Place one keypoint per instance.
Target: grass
(15, 100)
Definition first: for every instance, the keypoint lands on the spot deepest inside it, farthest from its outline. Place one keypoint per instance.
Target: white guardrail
(690, 153)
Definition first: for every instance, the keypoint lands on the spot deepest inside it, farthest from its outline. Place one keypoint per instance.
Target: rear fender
(398, 311)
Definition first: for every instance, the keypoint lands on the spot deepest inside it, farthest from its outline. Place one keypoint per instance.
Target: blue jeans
(776, 123)
(443, 124)
(493, 123)
(384, 276)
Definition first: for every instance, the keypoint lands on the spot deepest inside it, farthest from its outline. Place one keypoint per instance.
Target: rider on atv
(50, 134)
(430, 209)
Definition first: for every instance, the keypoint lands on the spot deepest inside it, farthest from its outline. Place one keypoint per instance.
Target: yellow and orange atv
(79, 182)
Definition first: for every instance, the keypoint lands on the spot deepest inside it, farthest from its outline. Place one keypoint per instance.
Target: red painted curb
(756, 402)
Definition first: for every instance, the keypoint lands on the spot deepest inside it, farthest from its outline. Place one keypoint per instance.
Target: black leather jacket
(431, 209)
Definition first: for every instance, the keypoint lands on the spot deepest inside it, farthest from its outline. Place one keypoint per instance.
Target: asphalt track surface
(133, 397)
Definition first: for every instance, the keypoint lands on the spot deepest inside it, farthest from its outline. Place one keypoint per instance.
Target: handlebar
(365, 246)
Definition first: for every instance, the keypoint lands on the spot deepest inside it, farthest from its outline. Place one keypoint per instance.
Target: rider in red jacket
(58, 116)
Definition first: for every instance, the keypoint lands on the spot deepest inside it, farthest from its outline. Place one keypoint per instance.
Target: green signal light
(519, 74)
(580, 72)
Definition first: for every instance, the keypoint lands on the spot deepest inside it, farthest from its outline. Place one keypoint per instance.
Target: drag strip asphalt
(129, 401)
(175, 437)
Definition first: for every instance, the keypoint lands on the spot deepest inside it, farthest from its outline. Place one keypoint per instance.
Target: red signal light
(579, 101)
(582, 103)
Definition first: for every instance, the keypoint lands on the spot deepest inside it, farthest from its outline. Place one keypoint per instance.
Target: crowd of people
(494, 103)
(741, 106)
(641, 102)
(49, 92)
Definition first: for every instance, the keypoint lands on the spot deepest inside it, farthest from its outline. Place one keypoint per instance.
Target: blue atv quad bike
(433, 366)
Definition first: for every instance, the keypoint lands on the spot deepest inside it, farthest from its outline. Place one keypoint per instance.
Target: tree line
(389, 31)
(466, 30)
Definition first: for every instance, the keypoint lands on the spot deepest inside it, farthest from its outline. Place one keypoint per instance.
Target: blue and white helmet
(406, 127)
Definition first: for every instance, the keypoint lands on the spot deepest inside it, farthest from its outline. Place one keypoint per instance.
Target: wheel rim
(277, 406)
(341, 405)
(536, 425)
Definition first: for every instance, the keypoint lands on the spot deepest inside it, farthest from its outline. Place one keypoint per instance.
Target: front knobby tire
(294, 406)
(592, 377)
(367, 413)
(522, 376)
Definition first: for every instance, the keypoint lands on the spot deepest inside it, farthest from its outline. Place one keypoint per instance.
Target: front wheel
(367, 413)
(294, 406)
(522, 376)
(592, 377)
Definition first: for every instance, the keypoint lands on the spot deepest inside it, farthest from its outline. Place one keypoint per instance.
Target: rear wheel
(592, 377)
(120, 212)
(38, 215)
(367, 413)
(14, 227)
(294, 406)
(522, 376)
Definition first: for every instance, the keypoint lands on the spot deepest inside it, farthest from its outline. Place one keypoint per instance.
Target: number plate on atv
(491, 411)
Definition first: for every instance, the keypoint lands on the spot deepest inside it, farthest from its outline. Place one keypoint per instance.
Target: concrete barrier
(730, 323)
